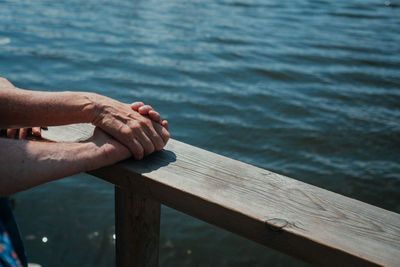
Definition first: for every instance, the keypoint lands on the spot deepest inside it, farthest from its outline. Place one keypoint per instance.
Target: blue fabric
(12, 252)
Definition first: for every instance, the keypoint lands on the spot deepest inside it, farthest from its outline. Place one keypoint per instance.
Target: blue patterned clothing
(12, 253)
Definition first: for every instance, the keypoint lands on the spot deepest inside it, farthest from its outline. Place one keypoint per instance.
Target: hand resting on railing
(122, 130)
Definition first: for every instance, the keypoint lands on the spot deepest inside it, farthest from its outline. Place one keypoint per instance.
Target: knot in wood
(276, 224)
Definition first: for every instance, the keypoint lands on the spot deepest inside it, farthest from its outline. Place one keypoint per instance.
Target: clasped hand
(137, 127)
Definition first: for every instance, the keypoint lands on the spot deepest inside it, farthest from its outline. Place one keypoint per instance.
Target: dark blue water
(309, 89)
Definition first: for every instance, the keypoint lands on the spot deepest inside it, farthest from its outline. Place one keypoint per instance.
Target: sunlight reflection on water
(309, 89)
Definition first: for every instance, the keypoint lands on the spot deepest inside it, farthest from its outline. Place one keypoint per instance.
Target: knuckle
(135, 127)
(144, 122)
(132, 124)
(126, 130)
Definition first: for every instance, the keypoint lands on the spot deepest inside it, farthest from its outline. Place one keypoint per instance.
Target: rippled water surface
(309, 89)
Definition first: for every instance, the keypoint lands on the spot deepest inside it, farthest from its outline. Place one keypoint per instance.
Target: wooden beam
(137, 227)
(299, 219)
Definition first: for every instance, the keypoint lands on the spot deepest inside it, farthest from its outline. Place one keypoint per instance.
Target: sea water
(308, 89)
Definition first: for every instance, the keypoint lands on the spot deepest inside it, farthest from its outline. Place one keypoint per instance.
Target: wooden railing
(307, 222)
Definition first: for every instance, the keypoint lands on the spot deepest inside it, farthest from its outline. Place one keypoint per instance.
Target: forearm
(25, 164)
(24, 108)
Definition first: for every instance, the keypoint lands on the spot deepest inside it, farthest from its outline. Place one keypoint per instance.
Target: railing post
(137, 228)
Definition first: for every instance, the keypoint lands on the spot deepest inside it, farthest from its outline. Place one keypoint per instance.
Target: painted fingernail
(36, 131)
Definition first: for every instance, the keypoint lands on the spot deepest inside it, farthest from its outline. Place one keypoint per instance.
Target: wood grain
(68, 133)
(137, 227)
(299, 219)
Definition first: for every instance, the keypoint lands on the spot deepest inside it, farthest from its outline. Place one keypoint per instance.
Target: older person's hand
(140, 134)
(142, 131)
(23, 133)
(147, 110)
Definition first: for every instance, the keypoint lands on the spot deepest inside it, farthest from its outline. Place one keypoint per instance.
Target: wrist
(91, 107)
(103, 150)
(93, 155)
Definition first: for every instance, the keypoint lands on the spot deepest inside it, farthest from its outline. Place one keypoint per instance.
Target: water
(309, 89)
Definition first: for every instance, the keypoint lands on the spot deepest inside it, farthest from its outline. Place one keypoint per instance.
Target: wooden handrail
(293, 217)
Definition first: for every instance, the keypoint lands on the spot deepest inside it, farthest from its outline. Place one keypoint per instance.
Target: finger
(157, 140)
(155, 116)
(36, 131)
(136, 105)
(164, 123)
(138, 151)
(145, 141)
(123, 133)
(162, 132)
(148, 128)
(11, 133)
(23, 132)
(100, 138)
(144, 110)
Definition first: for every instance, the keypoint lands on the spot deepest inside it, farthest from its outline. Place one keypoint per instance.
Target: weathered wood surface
(137, 227)
(68, 133)
(302, 220)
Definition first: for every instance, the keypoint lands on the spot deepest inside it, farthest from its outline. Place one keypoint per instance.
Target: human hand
(23, 132)
(147, 110)
(107, 149)
(138, 133)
